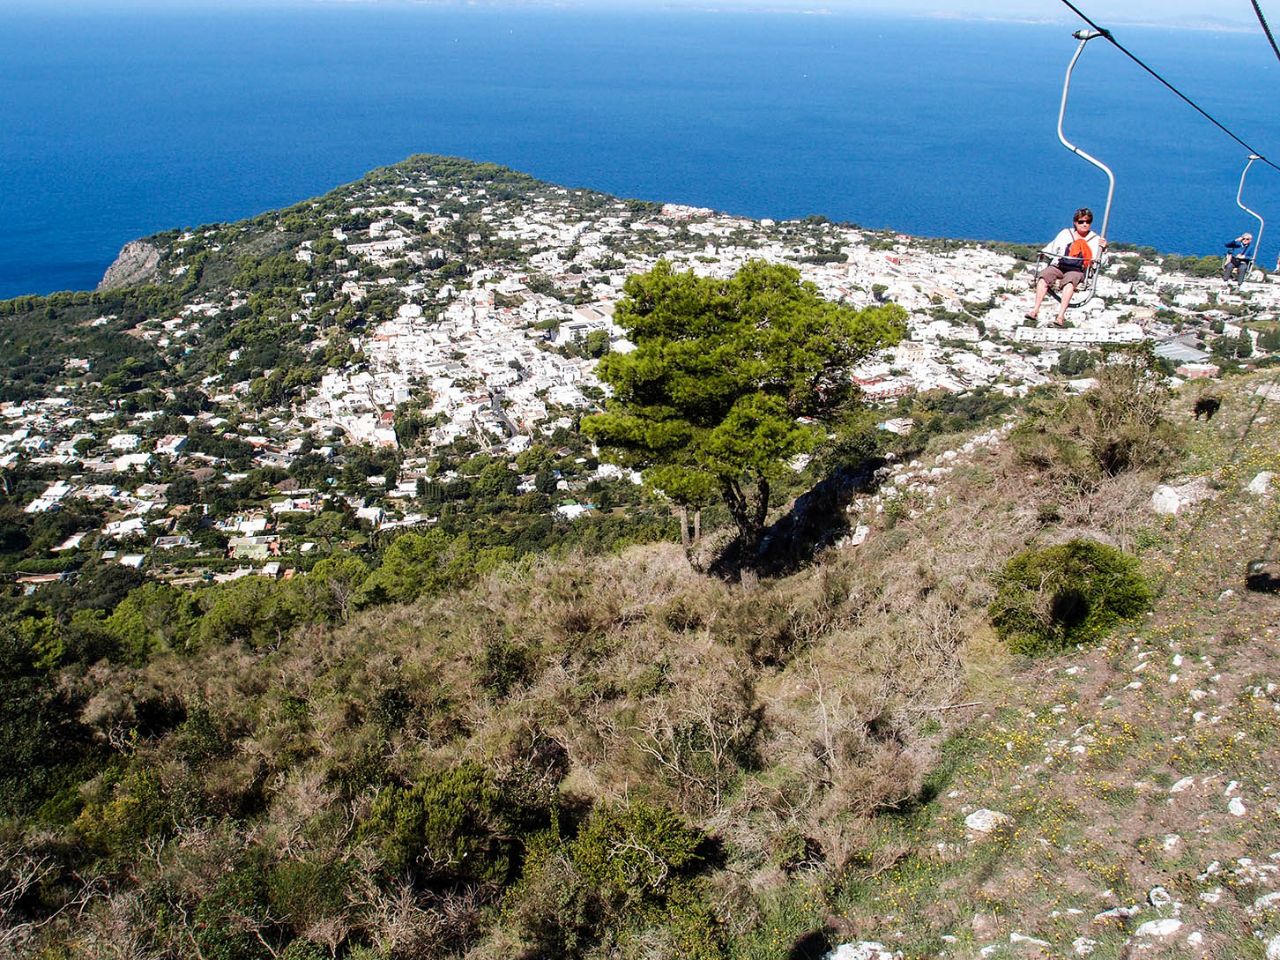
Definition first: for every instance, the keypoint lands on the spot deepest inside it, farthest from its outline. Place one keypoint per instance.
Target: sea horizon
(128, 123)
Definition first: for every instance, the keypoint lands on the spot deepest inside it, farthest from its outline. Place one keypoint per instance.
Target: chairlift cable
(1265, 29)
(1178, 93)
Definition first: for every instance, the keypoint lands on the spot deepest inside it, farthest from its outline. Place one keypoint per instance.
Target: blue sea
(118, 124)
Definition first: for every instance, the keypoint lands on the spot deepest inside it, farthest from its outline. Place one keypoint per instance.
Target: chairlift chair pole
(1257, 240)
(1090, 284)
(1084, 36)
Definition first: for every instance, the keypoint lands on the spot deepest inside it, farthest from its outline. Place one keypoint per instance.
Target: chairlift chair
(1085, 291)
(1249, 261)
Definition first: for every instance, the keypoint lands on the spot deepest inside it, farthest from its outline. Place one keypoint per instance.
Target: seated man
(1071, 253)
(1239, 259)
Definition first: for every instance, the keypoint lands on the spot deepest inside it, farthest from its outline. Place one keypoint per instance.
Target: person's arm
(1058, 245)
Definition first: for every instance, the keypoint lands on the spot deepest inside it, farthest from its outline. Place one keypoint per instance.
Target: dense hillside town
(351, 366)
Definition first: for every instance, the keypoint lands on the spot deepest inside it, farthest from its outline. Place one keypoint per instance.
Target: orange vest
(1081, 249)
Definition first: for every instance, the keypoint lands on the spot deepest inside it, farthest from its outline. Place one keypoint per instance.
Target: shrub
(703, 743)
(42, 740)
(138, 808)
(635, 852)
(697, 931)
(1117, 426)
(199, 739)
(1050, 598)
(629, 867)
(306, 892)
(231, 922)
(555, 910)
(504, 665)
(303, 950)
(1126, 428)
(253, 611)
(452, 828)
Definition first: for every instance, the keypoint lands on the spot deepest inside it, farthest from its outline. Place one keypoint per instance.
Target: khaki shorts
(1052, 275)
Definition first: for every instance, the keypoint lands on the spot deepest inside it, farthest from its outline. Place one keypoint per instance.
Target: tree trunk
(762, 502)
(697, 526)
(682, 512)
(747, 515)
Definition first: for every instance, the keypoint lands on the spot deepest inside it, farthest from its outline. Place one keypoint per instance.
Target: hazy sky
(1188, 12)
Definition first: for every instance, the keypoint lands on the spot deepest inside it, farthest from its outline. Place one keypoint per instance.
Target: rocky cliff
(136, 263)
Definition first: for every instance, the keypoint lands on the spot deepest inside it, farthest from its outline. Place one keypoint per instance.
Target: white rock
(1195, 938)
(1211, 896)
(1186, 783)
(1159, 897)
(1023, 938)
(1266, 902)
(1159, 928)
(1261, 483)
(1236, 807)
(1165, 501)
(1083, 946)
(858, 537)
(1168, 499)
(987, 821)
(1171, 840)
(1273, 948)
(862, 950)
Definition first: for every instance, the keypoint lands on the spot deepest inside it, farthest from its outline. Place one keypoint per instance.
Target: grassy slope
(1083, 751)
(795, 722)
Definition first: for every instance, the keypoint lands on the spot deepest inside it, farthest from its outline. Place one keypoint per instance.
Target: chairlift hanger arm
(1084, 36)
(1257, 241)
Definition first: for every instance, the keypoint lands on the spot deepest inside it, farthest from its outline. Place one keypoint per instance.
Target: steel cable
(1181, 96)
(1265, 29)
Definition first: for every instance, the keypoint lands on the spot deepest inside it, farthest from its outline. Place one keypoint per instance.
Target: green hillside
(620, 756)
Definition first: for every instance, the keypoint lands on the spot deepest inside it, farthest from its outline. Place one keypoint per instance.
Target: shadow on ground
(812, 946)
(815, 521)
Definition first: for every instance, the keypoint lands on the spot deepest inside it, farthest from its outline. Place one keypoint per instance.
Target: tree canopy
(726, 378)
